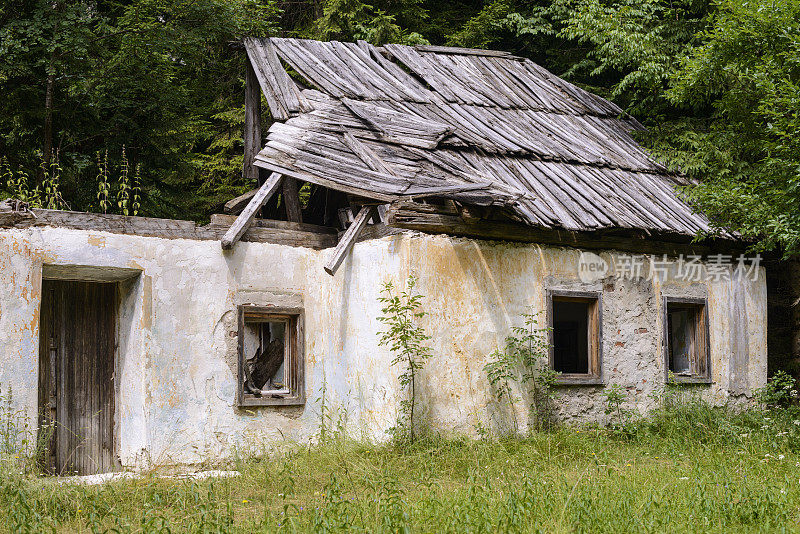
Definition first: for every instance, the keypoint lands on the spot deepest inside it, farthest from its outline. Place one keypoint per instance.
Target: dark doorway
(76, 375)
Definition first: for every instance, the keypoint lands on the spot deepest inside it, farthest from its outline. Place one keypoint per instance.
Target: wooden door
(76, 375)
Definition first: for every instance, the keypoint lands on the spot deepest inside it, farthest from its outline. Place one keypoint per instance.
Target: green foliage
(332, 419)
(136, 190)
(16, 185)
(103, 185)
(780, 391)
(154, 76)
(747, 71)
(22, 446)
(482, 29)
(337, 514)
(502, 374)
(406, 339)
(352, 20)
(124, 186)
(525, 361)
(51, 195)
(288, 485)
(636, 43)
(125, 194)
(12, 424)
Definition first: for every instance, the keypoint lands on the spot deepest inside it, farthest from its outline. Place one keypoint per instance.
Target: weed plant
(406, 339)
(523, 365)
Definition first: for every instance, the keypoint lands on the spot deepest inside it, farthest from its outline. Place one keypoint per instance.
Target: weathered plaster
(176, 366)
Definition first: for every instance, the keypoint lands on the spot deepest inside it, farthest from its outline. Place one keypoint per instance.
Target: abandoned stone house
(502, 188)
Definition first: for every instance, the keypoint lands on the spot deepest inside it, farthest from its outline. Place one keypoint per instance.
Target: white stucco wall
(176, 369)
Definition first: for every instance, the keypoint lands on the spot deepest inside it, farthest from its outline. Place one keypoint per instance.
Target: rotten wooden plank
(367, 155)
(261, 231)
(277, 235)
(320, 179)
(222, 220)
(243, 222)
(465, 51)
(348, 240)
(293, 100)
(422, 192)
(236, 205)
(401, 128)
(266, 80)
(101, 222)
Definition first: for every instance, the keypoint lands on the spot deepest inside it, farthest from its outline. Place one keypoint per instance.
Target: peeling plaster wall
(20, 295)
(176, 362)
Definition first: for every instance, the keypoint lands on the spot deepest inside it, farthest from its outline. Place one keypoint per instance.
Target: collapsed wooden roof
(481, 127)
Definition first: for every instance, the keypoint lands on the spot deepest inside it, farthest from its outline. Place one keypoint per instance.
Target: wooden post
(252, 123)
(348, 239)
(243, 221)
(291, 200)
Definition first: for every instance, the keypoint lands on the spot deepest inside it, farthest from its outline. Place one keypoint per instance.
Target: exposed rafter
(243, 221)
(348, 240)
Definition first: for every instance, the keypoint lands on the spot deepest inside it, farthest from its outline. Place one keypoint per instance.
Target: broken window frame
(594, 376)
(701, 334)
(294, 354)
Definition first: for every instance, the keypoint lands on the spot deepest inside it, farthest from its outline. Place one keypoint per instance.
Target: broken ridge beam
(348, 239)
(243, 221)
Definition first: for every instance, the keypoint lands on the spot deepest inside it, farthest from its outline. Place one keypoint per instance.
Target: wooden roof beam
(236, 205)
(348, 239)
(243, 221)
(444, 220)
(291, 199)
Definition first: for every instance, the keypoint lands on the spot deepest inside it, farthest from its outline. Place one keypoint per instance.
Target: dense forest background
(137, 105)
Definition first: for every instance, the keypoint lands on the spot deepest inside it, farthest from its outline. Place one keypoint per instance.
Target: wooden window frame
(702, 333)
(595, 375)
(293, 317)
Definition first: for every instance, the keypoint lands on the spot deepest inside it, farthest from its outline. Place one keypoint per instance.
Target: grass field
(689, 468)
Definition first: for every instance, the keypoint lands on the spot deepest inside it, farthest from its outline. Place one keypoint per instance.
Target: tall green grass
(687, 467)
